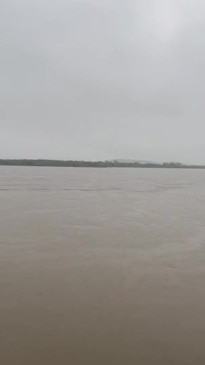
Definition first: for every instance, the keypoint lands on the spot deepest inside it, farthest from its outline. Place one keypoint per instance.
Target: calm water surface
(102, 266)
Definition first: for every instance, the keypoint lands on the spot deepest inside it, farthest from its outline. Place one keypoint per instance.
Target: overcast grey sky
(103, 79)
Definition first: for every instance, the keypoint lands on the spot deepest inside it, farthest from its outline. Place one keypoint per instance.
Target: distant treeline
(70, 163)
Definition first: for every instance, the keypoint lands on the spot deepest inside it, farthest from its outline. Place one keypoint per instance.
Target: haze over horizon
(102, 80)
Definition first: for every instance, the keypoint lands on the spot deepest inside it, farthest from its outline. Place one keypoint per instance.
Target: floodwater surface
(102, 266)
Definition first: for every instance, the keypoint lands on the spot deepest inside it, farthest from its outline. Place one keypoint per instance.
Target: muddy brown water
(102, 266)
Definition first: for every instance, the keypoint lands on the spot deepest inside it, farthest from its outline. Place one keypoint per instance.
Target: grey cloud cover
(103, 79)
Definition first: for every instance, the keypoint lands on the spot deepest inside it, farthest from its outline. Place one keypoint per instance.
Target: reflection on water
(102, 266)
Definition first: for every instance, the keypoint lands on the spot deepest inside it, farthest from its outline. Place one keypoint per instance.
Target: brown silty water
(102, 266)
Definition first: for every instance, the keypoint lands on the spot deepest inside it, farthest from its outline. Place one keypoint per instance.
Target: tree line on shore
(73, 163)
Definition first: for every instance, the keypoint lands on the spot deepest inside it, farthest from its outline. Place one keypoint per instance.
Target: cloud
(103, 79)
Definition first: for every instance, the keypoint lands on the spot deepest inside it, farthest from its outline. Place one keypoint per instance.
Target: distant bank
(103, 164)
